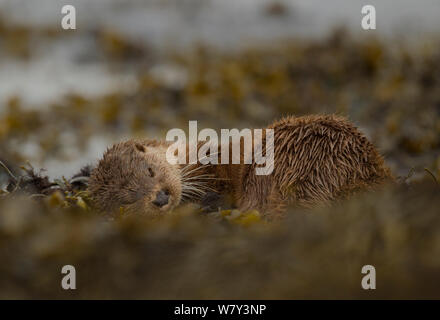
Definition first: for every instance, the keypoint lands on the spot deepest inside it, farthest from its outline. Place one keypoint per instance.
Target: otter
(317, 159)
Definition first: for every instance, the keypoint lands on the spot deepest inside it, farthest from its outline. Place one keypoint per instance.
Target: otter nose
(162, 198)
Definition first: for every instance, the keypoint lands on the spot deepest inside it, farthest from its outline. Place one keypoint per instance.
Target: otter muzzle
(161, 199)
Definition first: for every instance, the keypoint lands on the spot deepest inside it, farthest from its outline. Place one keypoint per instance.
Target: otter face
(136, 176)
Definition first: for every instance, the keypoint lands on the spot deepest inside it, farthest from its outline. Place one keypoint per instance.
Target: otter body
(317, 159)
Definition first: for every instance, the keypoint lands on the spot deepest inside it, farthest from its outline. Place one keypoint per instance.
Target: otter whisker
(203, 187)
(193, 191)
(186, 173)
(203, 177)
(198, 187)
(192, 195)
(190, 198)
(194, 185)
(205, 157)
(199, 161)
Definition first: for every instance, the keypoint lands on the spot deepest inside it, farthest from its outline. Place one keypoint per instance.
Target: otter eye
(151, 172)
(140, 147)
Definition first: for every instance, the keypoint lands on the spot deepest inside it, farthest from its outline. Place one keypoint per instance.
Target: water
(228, 24)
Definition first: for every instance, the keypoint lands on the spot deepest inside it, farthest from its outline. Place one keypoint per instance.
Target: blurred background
(140, 68)
(137, 68)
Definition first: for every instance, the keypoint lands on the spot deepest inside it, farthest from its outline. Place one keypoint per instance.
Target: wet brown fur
(130, 174)
(318, 158)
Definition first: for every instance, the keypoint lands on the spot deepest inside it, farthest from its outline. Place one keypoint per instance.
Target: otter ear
(140, 147)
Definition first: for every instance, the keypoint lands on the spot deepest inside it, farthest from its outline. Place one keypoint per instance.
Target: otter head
(136, 176)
